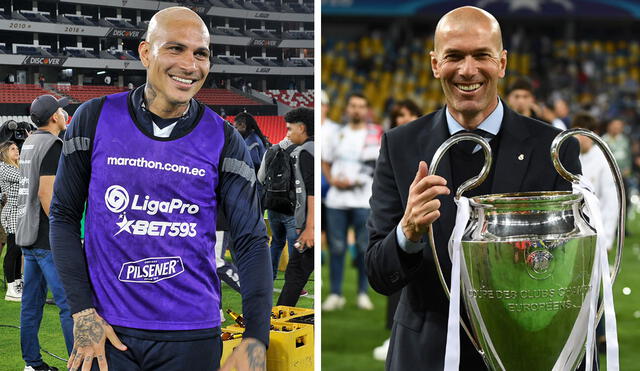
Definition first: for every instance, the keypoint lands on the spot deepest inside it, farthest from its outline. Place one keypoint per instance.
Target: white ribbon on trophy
(452, 352)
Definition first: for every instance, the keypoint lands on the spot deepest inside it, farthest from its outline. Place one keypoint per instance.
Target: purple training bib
(151, 222)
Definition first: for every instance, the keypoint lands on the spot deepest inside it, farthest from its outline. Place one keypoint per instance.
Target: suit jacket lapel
(434, 137)
(514, 154)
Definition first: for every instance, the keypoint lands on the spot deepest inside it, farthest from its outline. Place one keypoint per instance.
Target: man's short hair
(521, 83)
(303, 115)
(584, 120)
(357, 95)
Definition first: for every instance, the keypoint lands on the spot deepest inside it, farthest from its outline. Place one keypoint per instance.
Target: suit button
(394, 277)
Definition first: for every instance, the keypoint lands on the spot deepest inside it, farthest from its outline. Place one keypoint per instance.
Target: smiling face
(469, 61)
(176, 56)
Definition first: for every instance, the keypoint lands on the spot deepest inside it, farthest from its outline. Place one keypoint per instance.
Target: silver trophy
(527, 268)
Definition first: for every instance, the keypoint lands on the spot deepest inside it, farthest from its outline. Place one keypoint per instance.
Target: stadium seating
(21, 93)
(223, 97)
(273, 127)
(292, 98)
(85, 92)
(21, 118)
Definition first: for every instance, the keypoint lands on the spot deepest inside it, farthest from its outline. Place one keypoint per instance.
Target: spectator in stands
(9, 181)
(10, 79)
(156, 290)
(38, 168)
(300, 131)
(348, 162)
(404, 112)
(41, 81)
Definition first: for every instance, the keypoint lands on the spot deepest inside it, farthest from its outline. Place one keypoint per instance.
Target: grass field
(51, 335)
(350, 335)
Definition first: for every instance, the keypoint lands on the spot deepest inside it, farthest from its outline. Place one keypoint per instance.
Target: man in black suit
(469, 60)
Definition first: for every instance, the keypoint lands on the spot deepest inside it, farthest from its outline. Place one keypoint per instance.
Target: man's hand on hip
(422, 206)
(90, 333)
(250, 355)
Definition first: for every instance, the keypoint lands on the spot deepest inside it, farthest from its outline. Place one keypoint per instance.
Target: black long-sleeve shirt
(239, 202)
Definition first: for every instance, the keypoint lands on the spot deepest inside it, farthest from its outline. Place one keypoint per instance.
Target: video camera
(15, 131)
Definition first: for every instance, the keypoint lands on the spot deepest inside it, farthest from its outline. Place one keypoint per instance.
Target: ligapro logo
(116, 198)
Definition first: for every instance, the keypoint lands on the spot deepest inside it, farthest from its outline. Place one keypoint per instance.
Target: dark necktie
(468, 146)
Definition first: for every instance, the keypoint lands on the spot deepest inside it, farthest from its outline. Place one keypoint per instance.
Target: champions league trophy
(529, 269)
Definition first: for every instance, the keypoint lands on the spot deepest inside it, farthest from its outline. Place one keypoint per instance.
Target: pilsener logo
(151, 270)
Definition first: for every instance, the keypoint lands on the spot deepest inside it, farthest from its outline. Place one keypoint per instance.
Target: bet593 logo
(117, 200)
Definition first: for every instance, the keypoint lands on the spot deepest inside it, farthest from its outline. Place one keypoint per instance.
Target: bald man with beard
(469, 60)
(154, 166)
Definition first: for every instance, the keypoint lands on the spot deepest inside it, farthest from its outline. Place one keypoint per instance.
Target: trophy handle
(573, 178)
(469, 184)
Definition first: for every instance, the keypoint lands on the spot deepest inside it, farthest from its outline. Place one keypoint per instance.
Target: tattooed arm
(250, 355)
(90, 333)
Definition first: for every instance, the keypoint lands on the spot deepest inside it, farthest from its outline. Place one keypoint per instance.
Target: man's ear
(503, 63)
(434, 64)
(143, 50)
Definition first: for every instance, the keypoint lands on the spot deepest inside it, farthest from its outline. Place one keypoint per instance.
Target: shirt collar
(143, 116)
(491, 124)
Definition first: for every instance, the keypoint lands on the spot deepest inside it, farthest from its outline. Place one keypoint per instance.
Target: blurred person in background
(9, 184)
(38, 170)
(469, 60)
(282, 223)
(348, 161)
(561, 109)
(520, 97)
(329, 130)
(596, 170)
(403, 112)
(256, 142)
(548, 115)
(619, 144)
(300, 131)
